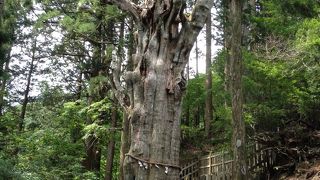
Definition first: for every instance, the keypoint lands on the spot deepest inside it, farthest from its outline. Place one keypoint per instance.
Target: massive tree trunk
(208, 85)
(240, 171)
(162, 53)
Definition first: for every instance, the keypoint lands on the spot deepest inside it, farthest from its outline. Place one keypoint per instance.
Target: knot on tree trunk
(132, 77)
(176, 85)
(135, 114)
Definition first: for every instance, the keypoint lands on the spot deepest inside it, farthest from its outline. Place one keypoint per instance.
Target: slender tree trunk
(92, 159)
(197, 110)
(27, 90)
(197, 59)
(111, 145)
(93, 151)
(240, 171)
(187, 123)
(125, 133)
(208, 85)
(227, 44)
(4, 83)
(125, 142)
(79, 84)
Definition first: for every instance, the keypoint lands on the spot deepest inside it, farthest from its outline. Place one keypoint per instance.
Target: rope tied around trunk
(144, 163)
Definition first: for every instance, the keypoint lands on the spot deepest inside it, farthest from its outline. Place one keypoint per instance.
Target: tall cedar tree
(208, 85)
(240, 170)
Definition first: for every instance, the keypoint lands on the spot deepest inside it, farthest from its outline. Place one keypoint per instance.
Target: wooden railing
(190, 170)
(219, 166)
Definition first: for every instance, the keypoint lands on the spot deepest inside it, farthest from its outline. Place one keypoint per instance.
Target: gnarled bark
(164, 40)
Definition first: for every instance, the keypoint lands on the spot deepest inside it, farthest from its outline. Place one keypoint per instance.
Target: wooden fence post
(210, 163)
(223, 167)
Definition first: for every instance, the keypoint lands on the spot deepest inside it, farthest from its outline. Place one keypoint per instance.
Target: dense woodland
(103, 89)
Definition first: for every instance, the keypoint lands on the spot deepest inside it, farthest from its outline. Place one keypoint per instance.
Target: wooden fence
(219, 166)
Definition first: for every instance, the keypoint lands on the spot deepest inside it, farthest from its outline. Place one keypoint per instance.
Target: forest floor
(303, 171)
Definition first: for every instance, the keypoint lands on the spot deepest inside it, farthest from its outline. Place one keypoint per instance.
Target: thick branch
(127, 5)
(116, 86)
(191, 30)
(200, 13)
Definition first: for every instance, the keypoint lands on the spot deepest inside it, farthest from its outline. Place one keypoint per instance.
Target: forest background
(72, 129)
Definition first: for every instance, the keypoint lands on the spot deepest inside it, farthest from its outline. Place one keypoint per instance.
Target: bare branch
(127, 5)
(275, 48)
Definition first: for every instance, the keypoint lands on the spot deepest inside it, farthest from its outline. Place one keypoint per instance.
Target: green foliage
(195, 92)
(283, 17)
(52, 147)
(191, 135)
(267, 90)
(43, 19)
(307, 38)
(95, 130)
(97, 85)
(7, 170)
(8, 18)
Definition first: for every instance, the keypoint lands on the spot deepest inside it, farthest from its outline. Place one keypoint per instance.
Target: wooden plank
(223, 167)
(191, 164)
(226, 162)
(210, 162)
(212, 155)
(191, 173)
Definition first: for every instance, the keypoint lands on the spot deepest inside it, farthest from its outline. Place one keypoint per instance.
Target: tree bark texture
(187, 113)
(111, 145)
(196, 113)
(227, 44)
(240, 171)
(208, 85)
(125, 133)
(164, 40)
(125, 142)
